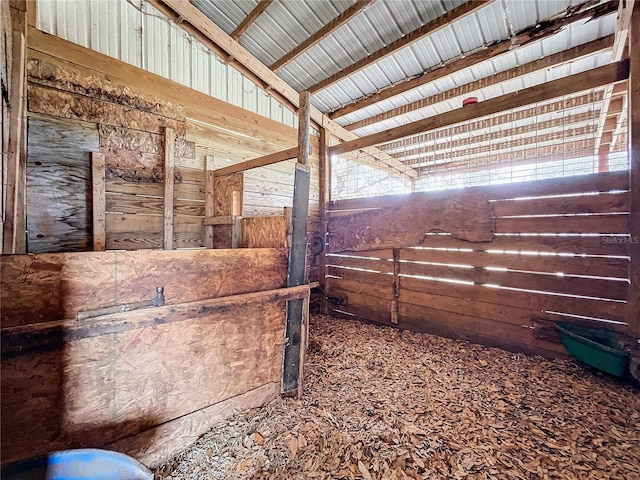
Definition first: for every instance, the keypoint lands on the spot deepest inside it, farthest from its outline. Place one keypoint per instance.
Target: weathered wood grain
(264, 232)
(59, 185)
(47, 287)
(101, 389)
(99, 201)
(466, 217)
(120, 138)
(223, 188)
(134, 166)
(58, 103)
(169, 167)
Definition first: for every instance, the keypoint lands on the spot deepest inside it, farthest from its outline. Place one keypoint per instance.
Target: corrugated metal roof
(286, 24)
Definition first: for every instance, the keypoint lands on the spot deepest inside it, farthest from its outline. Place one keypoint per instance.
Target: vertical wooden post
(169, 169)
(293, 355)
(209, 203)
(236, 212)
(15, 161)
(396, 286)
(325, 198)
(634, 172)
(99, 201)
(288, 220)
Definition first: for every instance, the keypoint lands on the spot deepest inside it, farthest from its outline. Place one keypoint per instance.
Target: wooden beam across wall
(263, 161)
(589, 79)
(566, 56)
(323, 33)
(188, 14)
(249, 19)
(544, 29)
(169, 169)
(634, 174)
(429, 28)
(293, 354)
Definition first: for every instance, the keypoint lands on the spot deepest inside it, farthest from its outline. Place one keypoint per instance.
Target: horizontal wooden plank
(360, 276)
(607, 223)
(607, 310)
(47, 287)
(591, 266)
(377, 308)
(477, 330)
(574, 244)
(340, 287)
(367, 263)
(589, 287)
(602, 203)
(598, 182)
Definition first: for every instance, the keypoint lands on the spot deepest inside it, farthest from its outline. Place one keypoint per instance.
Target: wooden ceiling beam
(570, 124)
(321, 34)
(189, 16)
(623, 22)
(542, 155)
(591, 98)
(544, 29)
(566, 56)
(429, 28)
(597, 77)
(249, 19)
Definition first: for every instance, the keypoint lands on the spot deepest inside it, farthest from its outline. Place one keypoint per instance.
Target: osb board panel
(44, 70)
(466, 217)
(38, 288)
(223, 188)
(264, 232)
(54, 102)
(59, 187)
(178, 433)
(109, 387)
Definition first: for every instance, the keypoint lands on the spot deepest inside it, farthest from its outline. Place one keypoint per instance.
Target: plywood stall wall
(145, 382)
(83, 99)
(502, 280)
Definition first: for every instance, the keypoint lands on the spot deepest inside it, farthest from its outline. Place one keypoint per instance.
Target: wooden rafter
(461, 150)
(623, 21)
(249, 19)
(494, 121)
(190, 16)
(544, 29)
(597, 77)
(531, 133)
(563, 151)
(570, 55)
(431, 27)
(321, 34)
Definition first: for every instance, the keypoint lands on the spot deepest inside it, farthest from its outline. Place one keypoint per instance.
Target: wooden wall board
(50, 72)
(46, 287)
(602, 203)
(264, 232)
(119, 138)
(366, 263)
(183, 431)
(608, 310)
(603, 223)
(477, 330)
(118, 385)
(134, 166)
(49, 101)
(599, 182)
(98, 168)
(467, 217)
(59, 186)
(598, 266)
(360, 276)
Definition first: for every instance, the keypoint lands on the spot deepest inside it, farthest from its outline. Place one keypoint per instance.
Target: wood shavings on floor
(381, 403)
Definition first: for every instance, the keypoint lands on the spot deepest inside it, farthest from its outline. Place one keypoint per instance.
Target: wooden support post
(288, 221)
(293, 355)
(325, 198)
(99, 201)
(396, 286)
(634, 172)
(169, 168)
(15, 160)
(209, 201)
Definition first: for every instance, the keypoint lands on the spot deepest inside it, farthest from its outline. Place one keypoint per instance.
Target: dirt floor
(385, 403)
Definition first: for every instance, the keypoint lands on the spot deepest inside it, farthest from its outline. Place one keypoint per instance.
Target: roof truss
(542, 30)
(249, 19)
(429, 28)
(321, 34)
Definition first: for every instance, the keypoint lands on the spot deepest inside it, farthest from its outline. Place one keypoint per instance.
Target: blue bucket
(80, 464)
